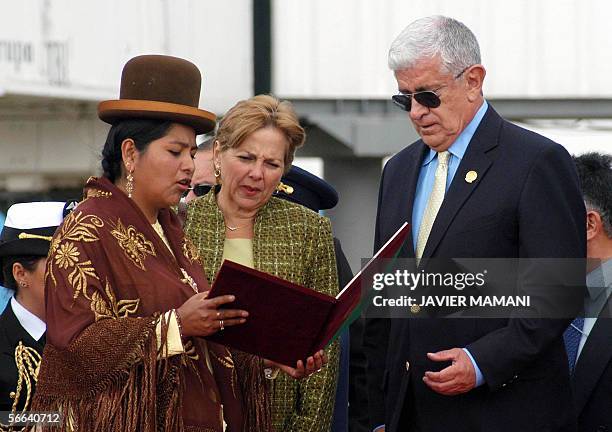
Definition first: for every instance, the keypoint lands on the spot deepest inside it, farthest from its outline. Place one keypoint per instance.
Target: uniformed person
(24, 244)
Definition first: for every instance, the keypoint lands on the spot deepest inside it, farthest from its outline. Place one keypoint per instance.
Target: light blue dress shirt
(5, 296)
(426, 181)
(430, 164)
(599, 289)
(5, 293)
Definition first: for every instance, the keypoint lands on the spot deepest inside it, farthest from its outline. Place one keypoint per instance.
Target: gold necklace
(234, 228)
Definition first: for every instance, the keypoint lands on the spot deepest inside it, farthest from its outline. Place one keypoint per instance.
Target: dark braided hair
(139, 130)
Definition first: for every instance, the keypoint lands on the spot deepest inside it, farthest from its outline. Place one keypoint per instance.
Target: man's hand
(460, 377)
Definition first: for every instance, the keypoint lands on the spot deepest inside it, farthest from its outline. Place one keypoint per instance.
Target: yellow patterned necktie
(433, 204)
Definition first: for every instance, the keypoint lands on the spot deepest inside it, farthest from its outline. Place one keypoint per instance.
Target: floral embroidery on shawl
(78, 277)
(97, 193)
(66, 255)
(134, 244)
(76, 228)
(190, 251)
(190, 350)
(112, 308)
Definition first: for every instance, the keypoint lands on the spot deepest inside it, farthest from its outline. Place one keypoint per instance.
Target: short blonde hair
(258, 112)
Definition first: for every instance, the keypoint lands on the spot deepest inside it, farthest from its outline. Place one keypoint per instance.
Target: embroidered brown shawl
(109, 277)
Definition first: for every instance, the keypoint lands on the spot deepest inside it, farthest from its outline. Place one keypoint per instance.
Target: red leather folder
(288, 322)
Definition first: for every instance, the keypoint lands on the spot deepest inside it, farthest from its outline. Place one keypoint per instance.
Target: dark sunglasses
(201, 189)
(427, 98)
(198, 190)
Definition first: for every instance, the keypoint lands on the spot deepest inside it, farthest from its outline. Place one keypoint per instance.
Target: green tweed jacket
(294, 243)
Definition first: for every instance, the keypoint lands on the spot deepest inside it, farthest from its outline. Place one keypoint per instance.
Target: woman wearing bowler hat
(127, 302)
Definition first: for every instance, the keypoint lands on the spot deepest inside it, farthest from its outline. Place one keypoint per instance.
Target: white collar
(30, 322)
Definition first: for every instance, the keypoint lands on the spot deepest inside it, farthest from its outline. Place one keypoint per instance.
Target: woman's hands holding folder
(302, 369)
(200, 316)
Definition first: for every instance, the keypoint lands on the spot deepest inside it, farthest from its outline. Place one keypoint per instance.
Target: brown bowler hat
(162, 88)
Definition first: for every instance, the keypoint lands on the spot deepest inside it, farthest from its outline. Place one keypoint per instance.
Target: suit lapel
(475, 159)
(40, 344)
(16, 333)
(595, 356)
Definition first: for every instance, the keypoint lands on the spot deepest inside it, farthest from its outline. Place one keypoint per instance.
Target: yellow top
(239, 250)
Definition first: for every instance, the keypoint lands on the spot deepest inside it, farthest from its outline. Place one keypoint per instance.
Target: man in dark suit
(473, 186)
(589, 339)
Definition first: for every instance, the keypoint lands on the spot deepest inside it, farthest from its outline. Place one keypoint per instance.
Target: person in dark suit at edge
(476, 186)
(589, 339)
(304, 188)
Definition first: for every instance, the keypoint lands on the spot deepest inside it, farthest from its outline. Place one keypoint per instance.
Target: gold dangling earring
(217, 174)
(129, 187)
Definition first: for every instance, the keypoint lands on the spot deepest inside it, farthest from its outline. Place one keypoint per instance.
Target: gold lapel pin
(471, 176)
(282, 187)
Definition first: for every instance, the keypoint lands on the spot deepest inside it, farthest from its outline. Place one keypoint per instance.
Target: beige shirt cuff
(174, 344)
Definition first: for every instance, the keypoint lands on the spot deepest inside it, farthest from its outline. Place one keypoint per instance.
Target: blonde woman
(240, 220)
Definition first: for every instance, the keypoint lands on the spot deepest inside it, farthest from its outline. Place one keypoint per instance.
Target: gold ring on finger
(221, 326)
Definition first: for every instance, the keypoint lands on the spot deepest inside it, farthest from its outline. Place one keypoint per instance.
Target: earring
(23, 284)
(217, 174)
(129, 187)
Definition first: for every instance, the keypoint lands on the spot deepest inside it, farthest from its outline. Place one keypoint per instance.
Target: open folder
(288, 322)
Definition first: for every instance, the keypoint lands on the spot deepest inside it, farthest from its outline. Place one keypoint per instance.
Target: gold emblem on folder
(471, 176)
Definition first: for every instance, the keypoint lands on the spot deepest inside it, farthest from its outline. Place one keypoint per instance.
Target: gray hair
(207, 144)
(432, 36)
(606, 216)
(595, 174)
